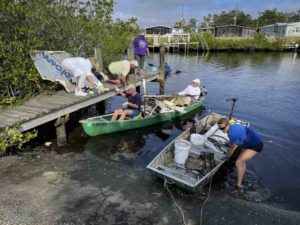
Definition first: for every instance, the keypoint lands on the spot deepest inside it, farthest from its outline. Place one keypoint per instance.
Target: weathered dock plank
(33, 109)
(18, 116)
(45, 108)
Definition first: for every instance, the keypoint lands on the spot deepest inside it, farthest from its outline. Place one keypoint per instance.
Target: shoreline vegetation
(207, 42)
(72, 26)
(76, 27)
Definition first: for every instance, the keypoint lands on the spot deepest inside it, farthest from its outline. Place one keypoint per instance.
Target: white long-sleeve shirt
(78, 66)
(194, 92)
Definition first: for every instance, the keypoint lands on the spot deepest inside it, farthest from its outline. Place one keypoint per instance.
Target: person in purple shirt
(247, 139)
(141, 49)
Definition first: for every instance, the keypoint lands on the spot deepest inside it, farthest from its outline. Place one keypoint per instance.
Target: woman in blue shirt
(244, 137)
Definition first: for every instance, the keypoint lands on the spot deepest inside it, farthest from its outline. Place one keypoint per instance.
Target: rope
(176, 204)
(208, 195)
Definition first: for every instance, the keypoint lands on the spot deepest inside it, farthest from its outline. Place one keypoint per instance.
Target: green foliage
(150, 40)
(237, 17)
(271, 16)
(259, 41)
(74, 26)
(12, 136)
(266, 17)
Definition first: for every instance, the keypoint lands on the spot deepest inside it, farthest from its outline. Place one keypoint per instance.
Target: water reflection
(268, 88)
(138, 146)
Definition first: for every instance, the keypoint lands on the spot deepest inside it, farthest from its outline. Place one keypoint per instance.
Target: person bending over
(81, 69)
(131, 108)
(119, 71)
(247, 139)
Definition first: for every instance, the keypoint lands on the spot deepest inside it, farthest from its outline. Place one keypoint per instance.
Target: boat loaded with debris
(157, 109)
(191, 160)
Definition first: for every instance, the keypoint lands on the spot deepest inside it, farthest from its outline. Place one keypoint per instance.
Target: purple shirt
(140, 45)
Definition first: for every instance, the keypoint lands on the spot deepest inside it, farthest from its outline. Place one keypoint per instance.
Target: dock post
(130, 52)
(162, 51)
(61, 130)
(98, 56)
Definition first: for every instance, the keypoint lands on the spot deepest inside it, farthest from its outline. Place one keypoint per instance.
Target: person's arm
(147, 47)
(137, 100)
(232, 148)
(132, 105)
(134, 42)
(185, 91)
(123, 94)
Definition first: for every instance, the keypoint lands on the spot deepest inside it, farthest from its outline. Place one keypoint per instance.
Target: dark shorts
(113, 77)
(257, 148)
(134, 113)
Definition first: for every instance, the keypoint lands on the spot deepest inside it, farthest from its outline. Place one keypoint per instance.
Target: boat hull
(102, 125)
(160, 165)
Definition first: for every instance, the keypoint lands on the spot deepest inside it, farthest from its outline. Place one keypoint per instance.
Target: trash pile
(158, 104)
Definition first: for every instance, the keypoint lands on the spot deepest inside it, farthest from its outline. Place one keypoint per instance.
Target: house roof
(158, 26)
(229, 26)
(275, 24)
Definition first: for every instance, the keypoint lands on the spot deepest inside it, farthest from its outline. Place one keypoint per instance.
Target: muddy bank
(45, 188)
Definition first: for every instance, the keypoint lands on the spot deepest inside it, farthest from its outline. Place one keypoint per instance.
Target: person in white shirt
(193, 90)
(81, 69)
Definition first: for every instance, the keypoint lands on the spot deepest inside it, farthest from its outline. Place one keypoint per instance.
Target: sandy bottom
(46, 188)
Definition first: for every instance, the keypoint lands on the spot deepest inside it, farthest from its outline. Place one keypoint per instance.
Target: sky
(167, 12)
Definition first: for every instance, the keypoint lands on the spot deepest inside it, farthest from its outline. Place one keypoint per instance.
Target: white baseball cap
(196, 81)
(134, 62)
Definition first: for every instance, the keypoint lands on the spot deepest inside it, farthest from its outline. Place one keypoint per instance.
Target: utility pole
(236, 11)
(181, 20)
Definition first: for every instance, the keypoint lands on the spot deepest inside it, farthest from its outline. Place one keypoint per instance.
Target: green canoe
(102, 125)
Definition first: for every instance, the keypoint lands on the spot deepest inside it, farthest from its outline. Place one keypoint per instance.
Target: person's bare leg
(80, 82)
(116, 114)
(240, 163)
(114, 82)
(91, 81)
(124, 114)
(123, 81)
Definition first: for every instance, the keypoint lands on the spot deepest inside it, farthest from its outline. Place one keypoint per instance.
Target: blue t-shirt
(243, 136)
(136, 99)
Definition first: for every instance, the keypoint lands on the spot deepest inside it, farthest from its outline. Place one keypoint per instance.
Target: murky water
(268, 88)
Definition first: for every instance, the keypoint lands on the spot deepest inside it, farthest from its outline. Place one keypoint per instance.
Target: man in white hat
(192, 90)
(131, 108)
(119, 71)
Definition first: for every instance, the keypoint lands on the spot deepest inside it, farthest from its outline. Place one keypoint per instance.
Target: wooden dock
(177, 46)
(45, 108)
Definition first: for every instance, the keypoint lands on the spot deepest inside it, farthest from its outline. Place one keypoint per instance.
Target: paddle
(234, 99)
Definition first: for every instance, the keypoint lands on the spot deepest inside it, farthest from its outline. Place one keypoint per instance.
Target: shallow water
(268, 88)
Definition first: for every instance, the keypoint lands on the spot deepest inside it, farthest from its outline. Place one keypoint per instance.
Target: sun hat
(130, 86)
(134, 62)
(196, 81)
(142, 32)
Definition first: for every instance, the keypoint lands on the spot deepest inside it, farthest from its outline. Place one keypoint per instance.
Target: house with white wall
(281, 29)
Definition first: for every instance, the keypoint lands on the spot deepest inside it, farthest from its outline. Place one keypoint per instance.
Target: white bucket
(197, 140)
(182, 148)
